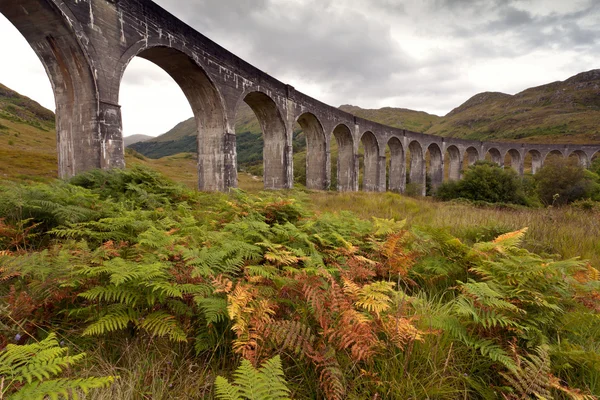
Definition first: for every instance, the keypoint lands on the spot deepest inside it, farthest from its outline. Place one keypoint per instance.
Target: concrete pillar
(417, 168)
(518, 165)
(397, 178)
(346, 174)
(454, 165)
(381, 185)
(372, 168)
(316, 152)
(356, 173)
(231, 175)
(111, 133)
(436, 163)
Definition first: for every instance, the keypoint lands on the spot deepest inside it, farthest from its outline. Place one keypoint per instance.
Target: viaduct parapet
(86, 45)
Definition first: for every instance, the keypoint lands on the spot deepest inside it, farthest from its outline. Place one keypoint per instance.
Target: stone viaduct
(86, 45)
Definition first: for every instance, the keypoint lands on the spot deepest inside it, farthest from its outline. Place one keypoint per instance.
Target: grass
(567, 231)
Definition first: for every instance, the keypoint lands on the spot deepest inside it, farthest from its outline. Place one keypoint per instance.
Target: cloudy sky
(429, 55)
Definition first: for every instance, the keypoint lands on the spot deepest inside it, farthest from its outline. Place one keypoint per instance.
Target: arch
(471, 156)
(345, 171)
(553, 153)
(454, 164)
(371, 161)
(515, 161)
(83, 142)
(316, 152)
(417, 168)
(397, 171)
(276, 162)
(582, 158)
(494, 156)
(217, 164)
(436, 165)
(535, 157)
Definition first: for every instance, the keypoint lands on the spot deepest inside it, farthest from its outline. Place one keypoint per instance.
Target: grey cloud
(322, 41)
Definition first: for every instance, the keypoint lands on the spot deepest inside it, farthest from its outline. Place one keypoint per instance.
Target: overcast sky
(429, 55)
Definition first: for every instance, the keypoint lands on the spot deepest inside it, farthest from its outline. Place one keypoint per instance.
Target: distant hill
(129, 140)
(27, 138)
(182, 139)
(417, 121)
(558, 112)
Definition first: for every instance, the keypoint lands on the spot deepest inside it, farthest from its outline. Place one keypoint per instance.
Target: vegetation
(152, 280)
(563, 181)
(26, 372)
(487, 182)
(284, 295)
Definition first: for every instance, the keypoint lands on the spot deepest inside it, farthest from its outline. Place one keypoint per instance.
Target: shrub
(485, 181)
(562, 181)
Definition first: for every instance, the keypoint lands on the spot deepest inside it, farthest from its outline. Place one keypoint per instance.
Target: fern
(266, 383)
(27, 370)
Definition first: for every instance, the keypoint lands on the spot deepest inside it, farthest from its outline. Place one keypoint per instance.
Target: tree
(485, 181)
(561, 181)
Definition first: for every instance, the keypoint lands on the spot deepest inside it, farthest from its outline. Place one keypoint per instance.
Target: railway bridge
(86, 45)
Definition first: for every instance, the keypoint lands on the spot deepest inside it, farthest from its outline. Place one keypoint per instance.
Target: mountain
(27, 138)
(129, 140)
(416, 121)
(182, 139)
(559, 112)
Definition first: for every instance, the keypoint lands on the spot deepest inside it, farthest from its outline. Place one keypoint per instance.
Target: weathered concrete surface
(86, 45)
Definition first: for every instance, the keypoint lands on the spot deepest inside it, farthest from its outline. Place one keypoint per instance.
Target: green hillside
(27, 138)
(417, 121)
(559, 112)
(182, 139)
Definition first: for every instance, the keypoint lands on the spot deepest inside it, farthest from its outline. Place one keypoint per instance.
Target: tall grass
(567, 231)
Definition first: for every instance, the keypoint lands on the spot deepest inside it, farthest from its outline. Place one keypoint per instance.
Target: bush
(485, 181)
(562, 181)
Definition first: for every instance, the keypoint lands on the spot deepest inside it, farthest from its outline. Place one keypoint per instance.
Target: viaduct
(86, 45)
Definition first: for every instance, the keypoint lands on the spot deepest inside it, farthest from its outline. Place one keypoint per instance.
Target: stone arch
(453, 162)
(345, 171)
(316, 152)
(217, 163)
(582, 158)
(371, 161)
(535, 158)
(494, 156)
(276, 161)
(436, 165)
(417, 168)
(471, 156)
(515, 161)
(56, 37)
(553, 153)
(397, 168)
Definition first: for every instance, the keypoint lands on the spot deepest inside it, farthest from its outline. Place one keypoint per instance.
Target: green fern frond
(35, 364)
(227, 391)
(163, 324)
(266, 383)
(113, 321)
(60, 388)
(215, 309)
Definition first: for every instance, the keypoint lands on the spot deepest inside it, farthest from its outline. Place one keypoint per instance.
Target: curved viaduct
(86, 45)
